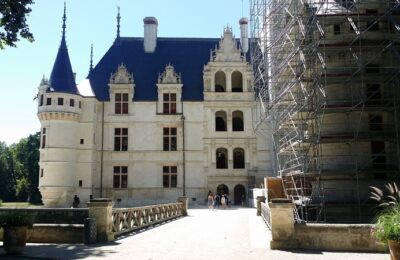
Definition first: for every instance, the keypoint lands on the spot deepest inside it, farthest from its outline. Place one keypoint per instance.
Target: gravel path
(234, 233)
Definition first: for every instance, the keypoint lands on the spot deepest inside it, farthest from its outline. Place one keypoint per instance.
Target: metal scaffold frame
(326, 78)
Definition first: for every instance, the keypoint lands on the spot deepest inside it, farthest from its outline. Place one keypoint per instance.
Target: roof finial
(64, 19)
(91, 58)
(118, 22)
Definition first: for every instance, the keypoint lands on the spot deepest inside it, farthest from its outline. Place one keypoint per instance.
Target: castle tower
(59, 112)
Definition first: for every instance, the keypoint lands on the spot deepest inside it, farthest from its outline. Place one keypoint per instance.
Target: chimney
(244, 34)
(150, 34)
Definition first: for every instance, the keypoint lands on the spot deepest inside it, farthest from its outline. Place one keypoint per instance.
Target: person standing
(76, 201)
(223, 201)
(210, 201)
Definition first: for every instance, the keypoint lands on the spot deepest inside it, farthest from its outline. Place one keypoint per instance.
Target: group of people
(217, 200)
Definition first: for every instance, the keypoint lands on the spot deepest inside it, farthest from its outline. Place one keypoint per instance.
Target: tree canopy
(13, 24)
(19, 170)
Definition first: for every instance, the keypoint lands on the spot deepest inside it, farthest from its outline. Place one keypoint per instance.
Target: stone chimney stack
(150, 34)
(244, 34)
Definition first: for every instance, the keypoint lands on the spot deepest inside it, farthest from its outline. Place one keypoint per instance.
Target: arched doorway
(222, 189)
(239, 195)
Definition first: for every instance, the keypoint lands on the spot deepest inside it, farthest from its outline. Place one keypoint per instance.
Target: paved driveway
(235, 233)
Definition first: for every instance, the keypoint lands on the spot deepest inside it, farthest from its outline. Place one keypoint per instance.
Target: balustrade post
(185, 201)
(259, 200)
(101, 210)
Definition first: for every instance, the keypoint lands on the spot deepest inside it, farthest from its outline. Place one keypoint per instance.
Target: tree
(13, 15)
(7, 184)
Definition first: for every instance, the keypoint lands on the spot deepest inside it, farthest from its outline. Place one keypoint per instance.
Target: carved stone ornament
(169, 76)
(121, 76)
(228, 49)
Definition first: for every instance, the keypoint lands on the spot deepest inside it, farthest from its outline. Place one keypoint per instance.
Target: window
(237, 82)
(336, 29)
(82, 141)
(121, 139)
(169, 139)
(237, 121)
(378, 155)
(238, 158)
(373, 25)
(220, 82)
(41, 100)
(375, 123)
(373, 93)
(169, 105)
(80, 104)
(71, 102)
(43, 138)
(80, 183)
(48, 101)
(222, 158)
(120, 179)
(169, 176)
(121, 103)
(41, 173)
(372, 68)
(60, 101)
(220, 121)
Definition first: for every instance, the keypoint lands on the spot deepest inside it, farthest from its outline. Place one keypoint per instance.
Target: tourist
(223, 201)
(217, 200)
(210, 201)
(76, 201)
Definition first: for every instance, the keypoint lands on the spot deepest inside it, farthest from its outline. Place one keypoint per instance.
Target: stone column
(282, 222)
(259, 200)
(185, 201)
(101, 210)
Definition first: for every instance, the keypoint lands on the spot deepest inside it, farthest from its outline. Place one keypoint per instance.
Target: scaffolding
(326, 78)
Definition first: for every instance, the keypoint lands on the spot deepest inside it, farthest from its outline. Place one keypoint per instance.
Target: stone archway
(222, 189)
(239, 193)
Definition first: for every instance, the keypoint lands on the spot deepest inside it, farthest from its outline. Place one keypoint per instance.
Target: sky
(94, 22)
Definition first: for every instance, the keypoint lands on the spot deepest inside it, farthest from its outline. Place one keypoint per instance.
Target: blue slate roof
(62, 78)
(187, 55)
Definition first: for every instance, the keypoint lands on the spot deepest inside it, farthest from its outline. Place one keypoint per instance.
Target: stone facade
(131, 150)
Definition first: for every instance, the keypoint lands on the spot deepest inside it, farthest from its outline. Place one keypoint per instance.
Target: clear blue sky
(93, 21)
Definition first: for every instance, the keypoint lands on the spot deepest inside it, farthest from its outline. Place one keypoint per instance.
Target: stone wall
(288, 235)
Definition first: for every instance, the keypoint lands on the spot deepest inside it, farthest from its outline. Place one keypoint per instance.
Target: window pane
(173, 108)
(173, 143)
(117, 108)
(124, 181)
(124, 144)
(173, 97)
(166, 181)
(116, 169)
(165, 169)
(124, 131)
(124, 169)
(48, 101)
(72, 102)
(173, 131)
(60, 101)
(117, 144)
(117, 131)
(173, 181)
(166, 108)
(125, 97)
(173, 169)
(166, 97)
(166, 131)
(124, 108)
(118, 97)
(166, 144)
(116, 181)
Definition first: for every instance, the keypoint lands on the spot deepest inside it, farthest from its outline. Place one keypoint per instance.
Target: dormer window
(121, 103)
(169, 89)
(169, 104)
(220, 82)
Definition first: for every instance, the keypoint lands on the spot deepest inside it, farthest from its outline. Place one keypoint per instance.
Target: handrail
(125, 220)
(266, 214)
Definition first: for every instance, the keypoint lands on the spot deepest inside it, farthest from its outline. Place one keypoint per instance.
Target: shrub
(16, 219)
(388, 224)
(390, 199)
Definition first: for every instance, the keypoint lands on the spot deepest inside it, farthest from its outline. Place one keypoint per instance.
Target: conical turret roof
(62, 77)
